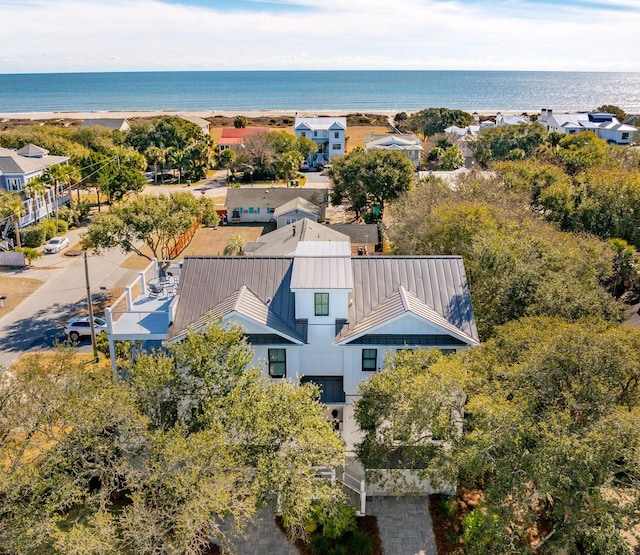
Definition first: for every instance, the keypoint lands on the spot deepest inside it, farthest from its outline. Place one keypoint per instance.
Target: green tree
(288, 163)
(498, 143)
(117, 181)
(155, 157)
(226, 158)
(434, 120)
(156, 463)
(34, 188)
(240, 122)
(528, 418)
(179, 160)
(452, 159)
(618, 112)
(370, 178)
(156, 221)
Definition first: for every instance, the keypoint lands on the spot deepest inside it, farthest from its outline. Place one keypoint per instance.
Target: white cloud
(127, 35)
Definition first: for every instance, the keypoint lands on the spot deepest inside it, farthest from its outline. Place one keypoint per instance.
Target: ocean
(317, 90)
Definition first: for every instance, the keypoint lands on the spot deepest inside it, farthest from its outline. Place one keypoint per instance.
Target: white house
(259, 204)
(318, 315)
(408, 144)
(203, 124)
(503, 121)
(18, 168)
(605, 126)
(330, 134)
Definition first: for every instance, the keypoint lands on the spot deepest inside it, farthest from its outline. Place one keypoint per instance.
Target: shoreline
(130, 114)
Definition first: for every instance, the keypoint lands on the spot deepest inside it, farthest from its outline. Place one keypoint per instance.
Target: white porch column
(143, 285)
(154, 263)
(129, 300)
(109, 319)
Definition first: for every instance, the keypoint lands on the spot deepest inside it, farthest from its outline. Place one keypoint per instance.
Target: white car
(81, 327)
(56, 244)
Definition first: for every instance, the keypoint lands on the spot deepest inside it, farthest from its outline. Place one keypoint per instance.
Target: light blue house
(328, 133)
(18, 168)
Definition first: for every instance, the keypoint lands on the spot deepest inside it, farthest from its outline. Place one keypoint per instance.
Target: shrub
(83, 208)
(320, 545)
(360, 543)
(445, 507)
(30, 254)
(49, 229)
(65, 214)
(33, 236)
(63, 226)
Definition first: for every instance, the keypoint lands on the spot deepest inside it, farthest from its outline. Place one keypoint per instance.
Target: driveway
(37, 322)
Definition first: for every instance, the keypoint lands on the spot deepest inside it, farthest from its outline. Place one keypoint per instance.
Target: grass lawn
(356, 134)
(208, 241)
(16, 289)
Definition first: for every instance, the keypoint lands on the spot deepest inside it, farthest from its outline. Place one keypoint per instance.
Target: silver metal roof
(298, 204)
(322, 272)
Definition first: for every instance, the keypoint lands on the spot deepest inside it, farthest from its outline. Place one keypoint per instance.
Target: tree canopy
(542, 419)
(157, 462)
(434, 120)
(370, 179)
(157, 221)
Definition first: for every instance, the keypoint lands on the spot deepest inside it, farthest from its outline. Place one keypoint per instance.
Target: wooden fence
(183, 241)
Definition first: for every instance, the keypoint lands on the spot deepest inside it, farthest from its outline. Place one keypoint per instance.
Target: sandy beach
(42, 116)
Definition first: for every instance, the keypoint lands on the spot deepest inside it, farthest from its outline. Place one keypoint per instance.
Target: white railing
(353, 484)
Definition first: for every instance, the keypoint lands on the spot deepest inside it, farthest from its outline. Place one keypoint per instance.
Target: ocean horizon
(346, 90)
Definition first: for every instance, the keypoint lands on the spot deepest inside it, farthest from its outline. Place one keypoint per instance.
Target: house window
(13, 184)
(303, 134)
(336, 135)
(251, 210)
(369, 360)
(270, 210)
(321, 304)
(241, 210)
(277, 363)
(337, 146)
(315, 133)
(325, 133)
(625, 136)
(258, 210)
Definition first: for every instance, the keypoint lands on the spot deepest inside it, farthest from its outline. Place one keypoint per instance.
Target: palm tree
(179, 159)
(227, 156)
(235, 245)
(12, 207)
(55, 175)
(37, 186)
(155, 156)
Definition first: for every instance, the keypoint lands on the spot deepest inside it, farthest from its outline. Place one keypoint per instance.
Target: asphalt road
(37, 323)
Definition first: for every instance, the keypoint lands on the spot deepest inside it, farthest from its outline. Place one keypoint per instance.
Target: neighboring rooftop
(119, 124)
(274, 196)
(36, 159)
(297, 204)
(320, 123)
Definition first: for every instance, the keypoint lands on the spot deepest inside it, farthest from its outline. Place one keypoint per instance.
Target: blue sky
(137, 35)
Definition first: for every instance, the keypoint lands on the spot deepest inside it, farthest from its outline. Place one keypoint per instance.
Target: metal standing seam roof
(357, 233)
(322, 272)
(273, 196)
(207, 283)
(383, 287)
(438, 282)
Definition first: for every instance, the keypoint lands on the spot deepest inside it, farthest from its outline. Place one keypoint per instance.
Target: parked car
(81, 327)
(56, 244)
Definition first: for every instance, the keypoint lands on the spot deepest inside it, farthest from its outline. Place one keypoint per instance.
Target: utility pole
(96, 358)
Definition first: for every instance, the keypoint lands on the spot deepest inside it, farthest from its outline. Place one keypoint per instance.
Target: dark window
(321, 304)
(331, 388)
(369, 360)
(277, 363)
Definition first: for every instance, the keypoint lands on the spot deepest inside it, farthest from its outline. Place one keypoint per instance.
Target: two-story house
(407, 144)
(329, 134)
(319, 315)
(18, 168)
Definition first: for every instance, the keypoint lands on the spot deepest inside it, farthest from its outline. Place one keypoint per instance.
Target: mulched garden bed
(447, 523)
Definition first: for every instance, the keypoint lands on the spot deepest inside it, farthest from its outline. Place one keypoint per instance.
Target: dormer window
(321, 304)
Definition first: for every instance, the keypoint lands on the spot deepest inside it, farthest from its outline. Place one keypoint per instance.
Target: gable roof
(439, 282)
(213, 287)
(282, 241)
(430, 288)
(237, 135)
(201, 122)
(298, 204)
(119, 124)
(273, 196)
(320, 123)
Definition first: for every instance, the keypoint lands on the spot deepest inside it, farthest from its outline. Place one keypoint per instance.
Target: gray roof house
(19, 167)
(113, 124)
(259, 204)
(605, 126)
(407, 144)
(316, 315)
